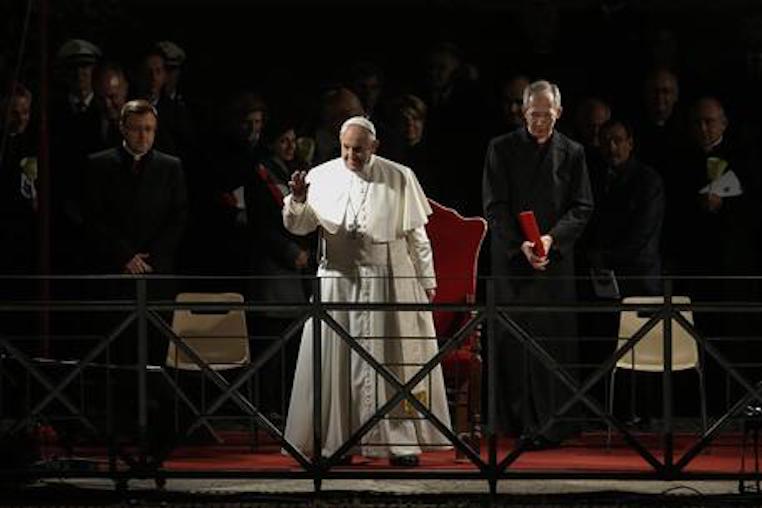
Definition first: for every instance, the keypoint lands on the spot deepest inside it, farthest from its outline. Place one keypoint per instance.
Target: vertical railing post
(44, 185)
(668, 402)
(317, 383)
(491, 386)
(142, 304)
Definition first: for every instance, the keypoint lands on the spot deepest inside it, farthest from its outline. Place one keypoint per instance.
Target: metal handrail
(147, 313)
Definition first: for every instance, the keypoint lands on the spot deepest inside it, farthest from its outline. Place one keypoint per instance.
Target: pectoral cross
(354, 230)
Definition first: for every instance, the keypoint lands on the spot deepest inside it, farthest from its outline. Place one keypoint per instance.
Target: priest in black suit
(136, 208)
(136, 200)
(541, 170)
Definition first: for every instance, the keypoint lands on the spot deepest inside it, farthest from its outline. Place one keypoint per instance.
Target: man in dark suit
(717, 206)
(626, 227)
(74, 133)
(135, 214)
(624, 237)
(136, 199)
(18, 185)
(540, 170)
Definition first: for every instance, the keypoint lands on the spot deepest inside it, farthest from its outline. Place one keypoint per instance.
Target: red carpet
(586, 453)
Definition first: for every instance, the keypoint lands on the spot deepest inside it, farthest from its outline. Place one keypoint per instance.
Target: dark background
(290, 49)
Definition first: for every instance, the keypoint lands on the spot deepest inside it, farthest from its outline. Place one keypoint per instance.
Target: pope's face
(357, 145)
(541, 115)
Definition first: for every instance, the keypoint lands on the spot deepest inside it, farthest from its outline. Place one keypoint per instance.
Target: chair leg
(610, 404)
(462, 420)
(702, 398)
(475, 406)
(253, 426)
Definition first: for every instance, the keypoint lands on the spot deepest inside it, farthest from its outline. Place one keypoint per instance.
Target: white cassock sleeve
(419, 247)
(298, 218)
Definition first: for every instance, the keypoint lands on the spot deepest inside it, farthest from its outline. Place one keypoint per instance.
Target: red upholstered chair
(456, 241)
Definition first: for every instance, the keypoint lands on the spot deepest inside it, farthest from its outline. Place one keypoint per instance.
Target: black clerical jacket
(134, 210)
(550, 180)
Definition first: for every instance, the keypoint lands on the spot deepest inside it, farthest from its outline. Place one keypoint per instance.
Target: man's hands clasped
(537, 262)
(138, 264)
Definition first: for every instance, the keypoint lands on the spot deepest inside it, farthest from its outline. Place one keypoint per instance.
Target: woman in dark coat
(280, 258)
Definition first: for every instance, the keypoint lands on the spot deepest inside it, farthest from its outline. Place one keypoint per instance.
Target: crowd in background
(439, 125)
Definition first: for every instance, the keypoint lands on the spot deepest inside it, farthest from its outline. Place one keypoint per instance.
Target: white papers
(240, 202)
(725, 186)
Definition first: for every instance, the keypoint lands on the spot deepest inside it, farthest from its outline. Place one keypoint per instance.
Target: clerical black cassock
(551, 180)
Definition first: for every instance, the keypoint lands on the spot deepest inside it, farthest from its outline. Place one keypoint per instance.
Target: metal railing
(26, 341)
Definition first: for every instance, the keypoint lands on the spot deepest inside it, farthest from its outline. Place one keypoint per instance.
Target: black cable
(676, 488)
(16, 74)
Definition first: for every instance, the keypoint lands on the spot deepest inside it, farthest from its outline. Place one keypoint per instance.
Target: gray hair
(543, 86)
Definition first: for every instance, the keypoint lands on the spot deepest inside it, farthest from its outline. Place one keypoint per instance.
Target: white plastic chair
(220, 339)
(648, 353)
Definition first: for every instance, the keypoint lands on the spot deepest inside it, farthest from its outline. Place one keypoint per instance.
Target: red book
(532, 232)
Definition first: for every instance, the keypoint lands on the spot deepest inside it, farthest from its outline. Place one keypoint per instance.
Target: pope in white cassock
(371, 213)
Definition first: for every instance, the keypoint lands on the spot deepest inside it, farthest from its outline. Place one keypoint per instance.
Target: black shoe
(346, 460)
(403, 460)
(537, 443)
(639, 423)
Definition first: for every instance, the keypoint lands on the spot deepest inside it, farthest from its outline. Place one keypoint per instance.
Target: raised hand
(298, 186)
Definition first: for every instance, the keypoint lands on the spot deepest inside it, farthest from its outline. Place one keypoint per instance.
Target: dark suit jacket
(18, 218)
(552, 181)
(274, 250)
(128, 213)
(73, 135)
(626, 226)
(712, 243)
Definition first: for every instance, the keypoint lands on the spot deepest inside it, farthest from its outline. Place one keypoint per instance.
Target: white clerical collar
(135, 156)
(77, 103)
(713, 145)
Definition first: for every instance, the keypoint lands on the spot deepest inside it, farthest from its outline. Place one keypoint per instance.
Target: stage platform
(245, 472)
(243, 493)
